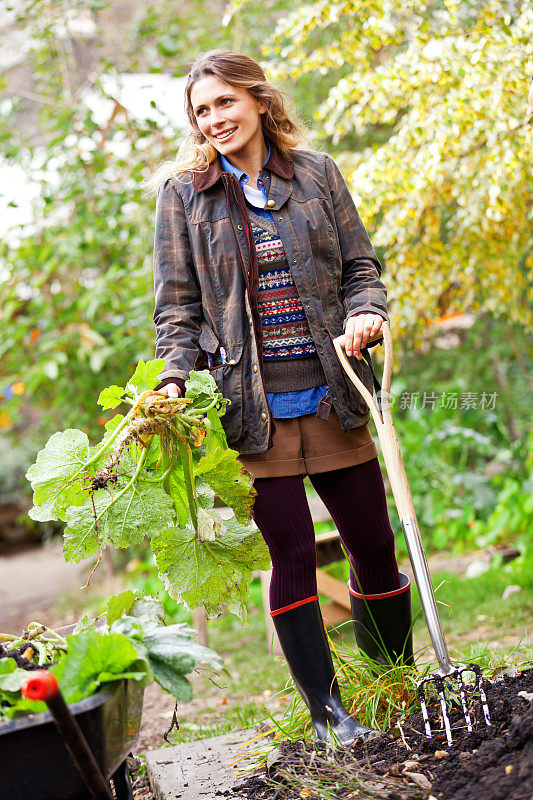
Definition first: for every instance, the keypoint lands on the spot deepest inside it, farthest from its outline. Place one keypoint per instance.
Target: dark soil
(17, 655)
(491, 763)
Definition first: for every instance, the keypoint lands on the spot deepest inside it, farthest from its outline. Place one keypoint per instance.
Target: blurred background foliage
(424, 107)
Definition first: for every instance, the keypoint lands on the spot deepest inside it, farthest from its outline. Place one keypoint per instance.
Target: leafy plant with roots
(155, 475)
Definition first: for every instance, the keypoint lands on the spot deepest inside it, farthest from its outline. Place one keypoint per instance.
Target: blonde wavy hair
(282, 125)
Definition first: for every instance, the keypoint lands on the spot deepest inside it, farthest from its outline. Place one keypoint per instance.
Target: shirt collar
(229, 167)
(280, 165)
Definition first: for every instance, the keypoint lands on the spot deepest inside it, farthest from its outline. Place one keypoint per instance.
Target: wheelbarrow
(71, 752)
(381, 414)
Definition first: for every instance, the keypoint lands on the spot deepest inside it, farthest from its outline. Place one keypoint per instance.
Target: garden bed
(494, 763)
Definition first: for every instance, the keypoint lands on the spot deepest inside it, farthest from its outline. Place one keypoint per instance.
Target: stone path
(202, 770)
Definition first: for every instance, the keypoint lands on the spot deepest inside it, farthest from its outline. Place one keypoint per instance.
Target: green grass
(473, 608)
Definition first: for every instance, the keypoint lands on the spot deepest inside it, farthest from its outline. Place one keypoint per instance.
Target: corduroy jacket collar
(284, 167)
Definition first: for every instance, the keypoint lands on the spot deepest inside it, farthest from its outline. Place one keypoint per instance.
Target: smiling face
(220, 108)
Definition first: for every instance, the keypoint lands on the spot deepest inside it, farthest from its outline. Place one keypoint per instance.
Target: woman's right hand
(171, 390)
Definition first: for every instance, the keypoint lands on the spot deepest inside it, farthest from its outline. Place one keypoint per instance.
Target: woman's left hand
(361, 329)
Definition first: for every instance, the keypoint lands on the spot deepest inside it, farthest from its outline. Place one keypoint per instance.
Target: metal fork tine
(462, 695)
(442, 698)
(477, 672)
(439, 681)
(423, 707)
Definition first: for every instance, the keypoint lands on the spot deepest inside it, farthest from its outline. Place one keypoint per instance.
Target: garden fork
(382, 417)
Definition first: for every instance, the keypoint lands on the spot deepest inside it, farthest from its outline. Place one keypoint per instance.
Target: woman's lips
(225, 138)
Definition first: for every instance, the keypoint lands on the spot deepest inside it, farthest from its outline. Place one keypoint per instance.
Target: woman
(260, 261)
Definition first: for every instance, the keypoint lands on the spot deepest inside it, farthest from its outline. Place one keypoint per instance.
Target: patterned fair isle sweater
(286, 334)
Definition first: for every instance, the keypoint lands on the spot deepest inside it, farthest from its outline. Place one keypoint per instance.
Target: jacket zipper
(247, 279)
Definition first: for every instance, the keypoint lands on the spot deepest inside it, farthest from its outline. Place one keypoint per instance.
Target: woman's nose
(216, 116)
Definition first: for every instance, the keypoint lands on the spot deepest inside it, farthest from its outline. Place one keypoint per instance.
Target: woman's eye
(224, 99)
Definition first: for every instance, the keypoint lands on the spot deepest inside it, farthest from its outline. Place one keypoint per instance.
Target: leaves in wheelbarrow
(137, 645)
(94, 659)
(11, 701)
(119, 605)
(10, 678)
(213, 571)
(170, 651)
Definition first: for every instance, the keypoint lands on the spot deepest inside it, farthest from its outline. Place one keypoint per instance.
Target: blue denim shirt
(283, 404)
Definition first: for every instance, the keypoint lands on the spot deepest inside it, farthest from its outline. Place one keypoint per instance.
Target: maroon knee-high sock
(355, 498)
(281, 512)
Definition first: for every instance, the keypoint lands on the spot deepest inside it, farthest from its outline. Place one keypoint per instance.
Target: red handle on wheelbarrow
(42, 685)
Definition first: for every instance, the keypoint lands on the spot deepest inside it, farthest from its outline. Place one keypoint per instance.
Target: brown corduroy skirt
(305, 445)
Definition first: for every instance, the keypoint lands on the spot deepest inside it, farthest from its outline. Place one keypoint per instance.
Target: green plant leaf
(94, 659)
(175, 644)
(61, 458)
(202, 389)
(211, 573)
(10, 676)
(170, 650)
(143, 510)
(120, 604)
(171, 680)
(224, 473)
(111, 397)
(146, 375)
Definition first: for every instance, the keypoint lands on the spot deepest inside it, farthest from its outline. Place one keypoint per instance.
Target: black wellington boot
(382, 623)
(302, 636)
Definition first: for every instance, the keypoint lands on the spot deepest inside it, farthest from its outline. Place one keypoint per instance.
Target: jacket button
(250, 320)
(240, 227)
(294, 260)
(255, 367)
(232, 361)
(263, 416)
(271, 203)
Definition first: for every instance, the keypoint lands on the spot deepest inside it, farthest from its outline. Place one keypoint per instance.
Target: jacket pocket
(228, 378)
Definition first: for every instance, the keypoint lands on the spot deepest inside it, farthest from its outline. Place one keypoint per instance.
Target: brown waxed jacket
(206, 282)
